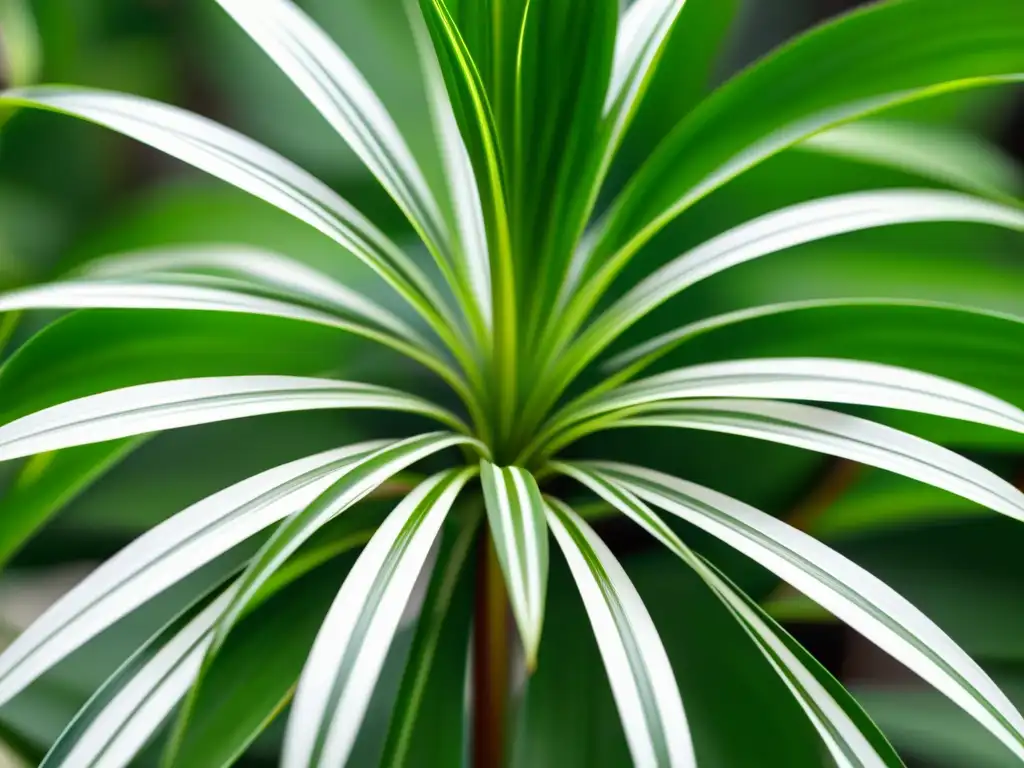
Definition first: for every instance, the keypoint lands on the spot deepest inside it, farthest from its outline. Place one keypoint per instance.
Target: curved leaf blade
(639, 671)
(879, 57)
(165, 555)
(349, 652)
(851, 737)
(334, 85)
(786, 228)
(853, 382)
(251, 167)
(515, 512)
(840, 586)
(172, 404)
(843, 436)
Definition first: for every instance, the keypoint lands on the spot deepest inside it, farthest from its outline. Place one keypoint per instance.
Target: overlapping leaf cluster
(515, 309)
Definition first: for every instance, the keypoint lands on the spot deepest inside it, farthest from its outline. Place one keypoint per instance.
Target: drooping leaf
(838, 434)
(850, 736)
(846, 590)
(638, 669)
(428, 726)
(172, 404)
(347, 657)
(515, 512)
(251, 167)
(164, 556)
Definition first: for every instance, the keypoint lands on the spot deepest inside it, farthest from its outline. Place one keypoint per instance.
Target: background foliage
(70, 192)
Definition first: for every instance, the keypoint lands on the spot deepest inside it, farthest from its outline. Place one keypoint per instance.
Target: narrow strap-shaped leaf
(844, 436)
(827, 380)
(167, 554)
(779, 230)
(173, 404)
(347, 657)
(264, 268)
(852, 739)
(181, 292)
(630, 362)
(135, 701)
(642, 680)
(334, 85)
(429, 726)
(463, 189)
(515, 512)
(840, 586)
(468, 96)
(950, 156)
(358, 481)
(255, 169)
(643, 30)
(881, 56)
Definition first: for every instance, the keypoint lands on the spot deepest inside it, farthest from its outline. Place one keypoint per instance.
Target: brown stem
(837, 480)
(490, 660)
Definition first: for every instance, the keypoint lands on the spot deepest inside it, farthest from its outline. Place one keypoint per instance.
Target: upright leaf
(515, 512)
(565, 61)
(638, 669)
(349, 652)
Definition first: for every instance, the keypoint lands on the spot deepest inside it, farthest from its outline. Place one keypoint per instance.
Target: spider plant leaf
(783, 229)
(254, 676)
(210, 294)
(515, 512)
(270, 271)
(682, 75)
(881, 56)
(852, 382)
(172, 404)
(638, 669)
(46, 483)
(468, 97)
(838, 585)
(947, 155)
(137, 699)
(329, 79)
(165, 555)
(251, 167)
(463, 191)
(935, 336)
(850, 736)
(492, 30)
(844, 436)
(642, 34)
(348, 654)
(565, 61)
(134, 702)
(428, 726)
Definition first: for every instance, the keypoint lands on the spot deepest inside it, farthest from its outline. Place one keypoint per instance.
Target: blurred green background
(71, 191)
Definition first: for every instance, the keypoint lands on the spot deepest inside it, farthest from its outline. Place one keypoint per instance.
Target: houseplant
(513, 312)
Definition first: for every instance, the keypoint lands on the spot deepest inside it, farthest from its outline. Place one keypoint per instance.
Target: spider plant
(516, 308)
